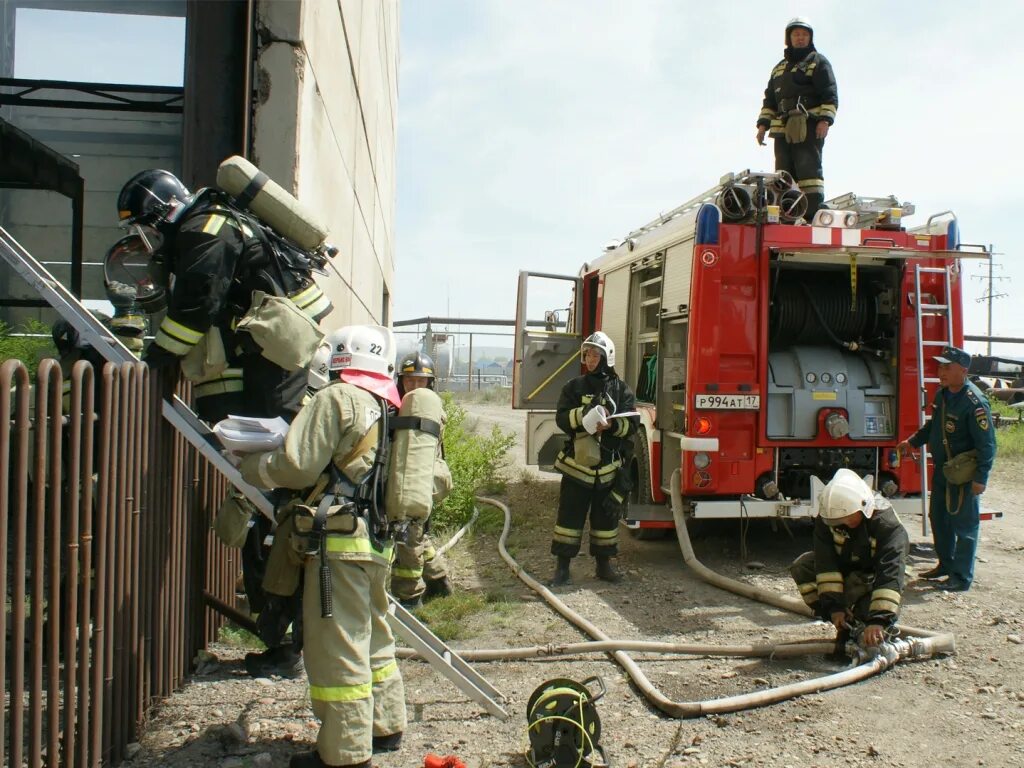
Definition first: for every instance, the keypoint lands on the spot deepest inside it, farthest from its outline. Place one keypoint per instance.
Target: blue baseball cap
(954, 355)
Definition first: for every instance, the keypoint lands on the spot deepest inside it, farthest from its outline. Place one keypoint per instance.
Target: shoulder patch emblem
(983, 421)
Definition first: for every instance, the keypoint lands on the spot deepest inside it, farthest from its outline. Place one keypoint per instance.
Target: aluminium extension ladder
(442, 658)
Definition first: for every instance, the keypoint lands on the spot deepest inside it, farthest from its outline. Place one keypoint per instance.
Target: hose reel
(563, 725)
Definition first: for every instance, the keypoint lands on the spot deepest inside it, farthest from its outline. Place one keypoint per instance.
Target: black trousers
(577, 502)
(803, 161)
(275, 612)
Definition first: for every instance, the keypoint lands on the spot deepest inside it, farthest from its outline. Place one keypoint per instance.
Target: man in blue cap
(961, 421)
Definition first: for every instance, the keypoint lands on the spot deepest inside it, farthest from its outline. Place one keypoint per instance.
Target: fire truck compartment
(804, 380)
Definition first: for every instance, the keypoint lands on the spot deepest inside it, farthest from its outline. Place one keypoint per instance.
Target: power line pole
(989, 296)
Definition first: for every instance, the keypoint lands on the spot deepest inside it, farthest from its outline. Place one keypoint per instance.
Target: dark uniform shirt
(877, 548)
(967, 425)
(808, 80)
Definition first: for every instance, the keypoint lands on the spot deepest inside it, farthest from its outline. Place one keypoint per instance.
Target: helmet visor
(128, 275)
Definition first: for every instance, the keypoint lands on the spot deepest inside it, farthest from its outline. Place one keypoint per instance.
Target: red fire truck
(766, 352)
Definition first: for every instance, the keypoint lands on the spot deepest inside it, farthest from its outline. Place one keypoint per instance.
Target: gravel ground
(964, 710)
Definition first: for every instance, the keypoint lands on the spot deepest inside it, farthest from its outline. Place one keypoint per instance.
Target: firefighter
(799, 107)
(354, 682)
(419, 572)
(856, 571)
(961, 421)
(594, 461)
(199, 242)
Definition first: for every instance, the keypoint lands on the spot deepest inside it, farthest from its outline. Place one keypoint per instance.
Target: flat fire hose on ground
(442, 658)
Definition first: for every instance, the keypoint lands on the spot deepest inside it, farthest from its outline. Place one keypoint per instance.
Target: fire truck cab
(765, 352)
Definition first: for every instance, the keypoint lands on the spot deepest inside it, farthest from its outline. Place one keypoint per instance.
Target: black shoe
(412, 604)
(312, 760)
(933, 573)
(390, 743)
(437, 588)
(281, 661)
(606, 571)
(562, 575)
(953, 584)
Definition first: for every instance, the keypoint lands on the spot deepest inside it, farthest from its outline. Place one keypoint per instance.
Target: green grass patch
(1010, 435)
(446, 616)
(497, 395)
(236, 637)
(475, 461)
(29, 349)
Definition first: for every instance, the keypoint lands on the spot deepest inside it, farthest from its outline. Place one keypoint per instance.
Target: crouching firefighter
(854, 578)
(419, 572)
(336, 450)
(594, 467)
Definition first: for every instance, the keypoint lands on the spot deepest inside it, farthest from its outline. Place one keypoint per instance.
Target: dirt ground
(963, 710)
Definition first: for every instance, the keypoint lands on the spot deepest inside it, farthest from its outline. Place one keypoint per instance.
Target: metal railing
(105, 555)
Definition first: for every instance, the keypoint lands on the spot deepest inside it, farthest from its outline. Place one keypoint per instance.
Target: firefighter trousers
(416, 561)
(575, 503)
(803, 161)
(354, 682)
(857, 587)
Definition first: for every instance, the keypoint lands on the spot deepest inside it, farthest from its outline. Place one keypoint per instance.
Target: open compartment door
(547, 346)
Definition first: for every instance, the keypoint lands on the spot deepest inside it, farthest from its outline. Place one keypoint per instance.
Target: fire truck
(765, 351)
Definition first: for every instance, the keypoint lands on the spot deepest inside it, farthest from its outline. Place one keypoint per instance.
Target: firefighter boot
(390, 743)
(562, 575)
(283, 661)
(606, 571)
(437, 588)
(814, 201)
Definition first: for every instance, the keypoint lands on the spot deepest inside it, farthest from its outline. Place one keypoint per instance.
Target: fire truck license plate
(729, 402)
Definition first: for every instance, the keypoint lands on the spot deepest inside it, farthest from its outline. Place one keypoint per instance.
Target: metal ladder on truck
(442, 658)
(926, 348)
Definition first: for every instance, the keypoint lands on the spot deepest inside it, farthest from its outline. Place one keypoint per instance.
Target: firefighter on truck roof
(799, 105)
(595, 461)
(856, 571)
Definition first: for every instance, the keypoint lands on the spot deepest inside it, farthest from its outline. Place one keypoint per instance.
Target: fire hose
(912, 643)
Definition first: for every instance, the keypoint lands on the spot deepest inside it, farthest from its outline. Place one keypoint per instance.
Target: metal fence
(105, 555)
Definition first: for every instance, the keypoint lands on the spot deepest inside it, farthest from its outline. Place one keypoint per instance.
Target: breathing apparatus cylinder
(563, 725)
(256, 191)
(414, 451)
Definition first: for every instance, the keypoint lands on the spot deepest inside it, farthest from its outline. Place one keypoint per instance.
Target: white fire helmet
(369, 348)
(846, 493)
(319, 375)
(602, 344)
(799, 21)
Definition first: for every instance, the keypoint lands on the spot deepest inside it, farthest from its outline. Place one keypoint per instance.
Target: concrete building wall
(327, 86)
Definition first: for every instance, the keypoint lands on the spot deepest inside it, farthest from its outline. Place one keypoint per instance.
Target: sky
(532, 133)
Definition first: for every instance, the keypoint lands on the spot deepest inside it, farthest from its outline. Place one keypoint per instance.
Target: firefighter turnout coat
(591, 464)
(354, 682)
(808, 82)
(206, 252)
(857, 569)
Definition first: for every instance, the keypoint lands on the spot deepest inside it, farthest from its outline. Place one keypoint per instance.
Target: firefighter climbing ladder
(442, 658)
(941, 307)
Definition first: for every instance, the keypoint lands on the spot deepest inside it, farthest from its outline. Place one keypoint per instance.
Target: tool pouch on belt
(285, 334)
(586, 451)
(207, 359)
(796, 127)
(234, 519)
(959, 469)
(340, 517)
(284, 566)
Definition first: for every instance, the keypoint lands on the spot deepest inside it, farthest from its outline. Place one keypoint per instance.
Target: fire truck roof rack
(869, 209)
(740, 177)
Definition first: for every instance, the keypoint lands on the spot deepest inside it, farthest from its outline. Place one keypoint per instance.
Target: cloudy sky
(533, 132)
